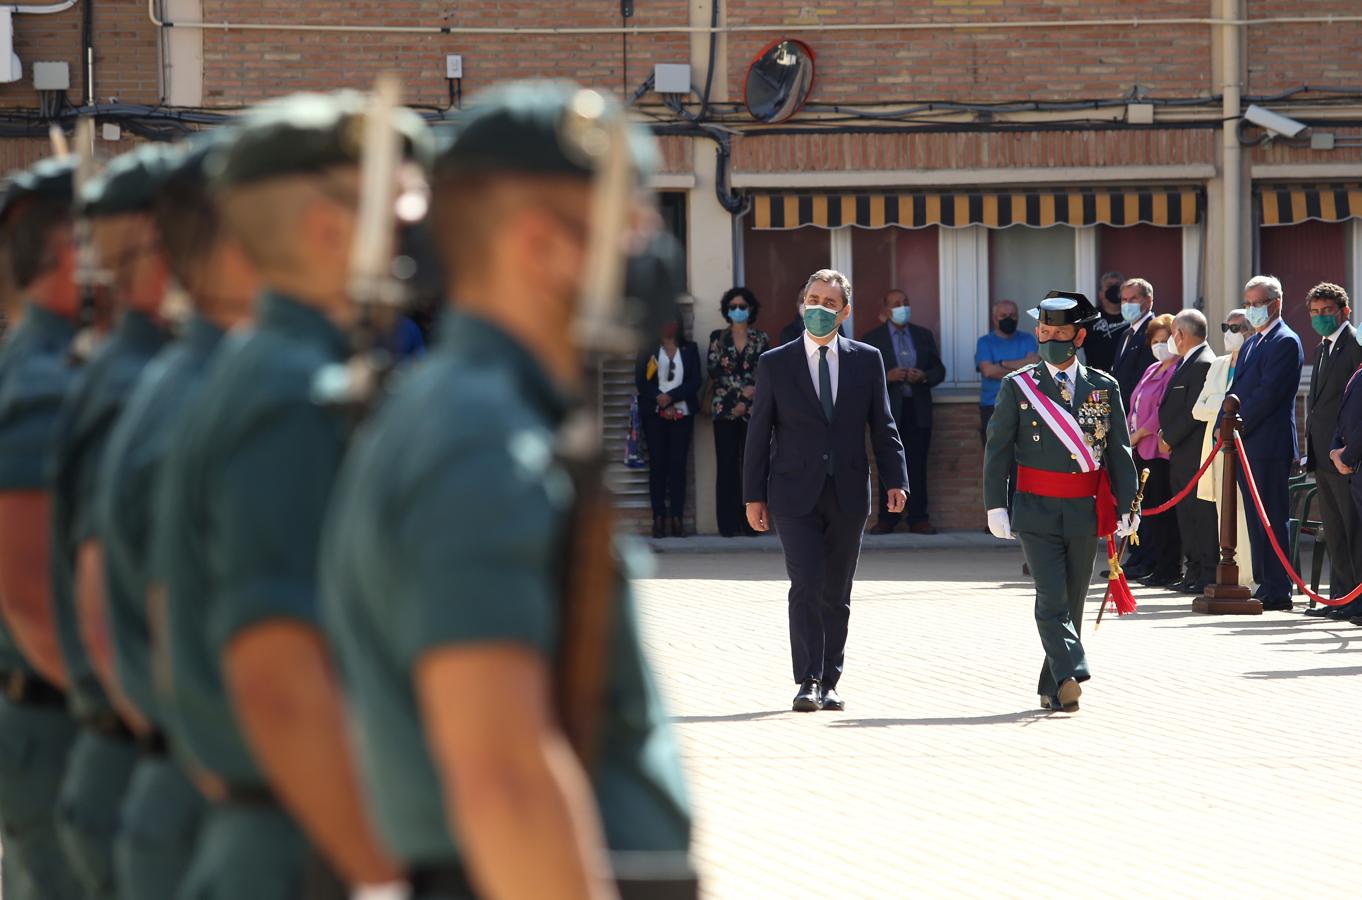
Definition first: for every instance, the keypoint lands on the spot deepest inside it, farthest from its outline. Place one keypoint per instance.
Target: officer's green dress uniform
(1058, 536)
(103, 756)
(36, 732)
(162, 809)
(161, 812)
(449, 527)
(240, 508)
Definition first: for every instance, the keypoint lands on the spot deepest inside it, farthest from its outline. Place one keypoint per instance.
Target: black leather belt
(154, 743)
(25, 689)
(251, 795)
(107, 724)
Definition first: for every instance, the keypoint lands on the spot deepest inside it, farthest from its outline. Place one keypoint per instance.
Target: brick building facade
(964, 150)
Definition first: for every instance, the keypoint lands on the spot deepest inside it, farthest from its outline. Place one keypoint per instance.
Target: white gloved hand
(1129, 524)
(1000, 524)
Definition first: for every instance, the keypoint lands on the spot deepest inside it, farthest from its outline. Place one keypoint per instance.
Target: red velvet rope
(1182, 494)
(1272, 537)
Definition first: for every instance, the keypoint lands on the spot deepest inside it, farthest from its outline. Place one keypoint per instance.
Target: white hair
(1241, 313)
(829, 276)
(1274, 287)
(1191, 321)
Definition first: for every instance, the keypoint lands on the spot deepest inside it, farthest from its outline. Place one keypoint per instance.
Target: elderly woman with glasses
(733, 355)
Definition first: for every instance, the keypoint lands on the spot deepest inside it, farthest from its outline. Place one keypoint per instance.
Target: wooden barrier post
(1227, 596)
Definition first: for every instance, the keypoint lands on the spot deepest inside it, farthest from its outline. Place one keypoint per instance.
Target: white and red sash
(1060, 421)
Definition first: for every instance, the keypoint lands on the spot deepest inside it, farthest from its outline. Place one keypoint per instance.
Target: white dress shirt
(1262, 336)
(670, 374)
(1071, 374)
(811, 348)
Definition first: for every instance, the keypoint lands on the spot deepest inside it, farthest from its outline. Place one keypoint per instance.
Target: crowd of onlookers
(1172, 384)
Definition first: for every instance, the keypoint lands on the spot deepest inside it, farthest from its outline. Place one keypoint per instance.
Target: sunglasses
(1227, 327)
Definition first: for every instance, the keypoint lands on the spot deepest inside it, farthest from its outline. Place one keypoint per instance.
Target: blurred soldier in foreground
(446, 549)
(118, 203)
(161, 812)
(36, 219)
(243, 491)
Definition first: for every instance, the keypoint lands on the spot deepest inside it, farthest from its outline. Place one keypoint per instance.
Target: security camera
(1274, 122)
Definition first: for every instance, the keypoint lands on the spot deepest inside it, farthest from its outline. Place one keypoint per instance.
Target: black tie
(1324, 355)
(825, 383)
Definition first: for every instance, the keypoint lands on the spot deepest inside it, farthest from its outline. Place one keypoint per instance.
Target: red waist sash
(1073, 486)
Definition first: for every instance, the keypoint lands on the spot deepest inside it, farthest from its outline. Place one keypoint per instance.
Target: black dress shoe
(1319, 612)
(678, 527)
(1341, 613)
(832, 700)
(809, 697)
(1136, 573)
(1283, 604)
(659, 526)
(1355, 621)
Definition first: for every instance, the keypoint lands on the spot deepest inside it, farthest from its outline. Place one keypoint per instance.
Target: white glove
(999, 524)
(1129, 524)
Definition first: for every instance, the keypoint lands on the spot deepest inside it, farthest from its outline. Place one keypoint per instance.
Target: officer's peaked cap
(1065, 308)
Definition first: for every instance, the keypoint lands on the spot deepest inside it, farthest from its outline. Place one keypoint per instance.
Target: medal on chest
(1094, 417)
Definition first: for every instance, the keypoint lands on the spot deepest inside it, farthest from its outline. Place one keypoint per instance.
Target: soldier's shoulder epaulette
(1022, 370)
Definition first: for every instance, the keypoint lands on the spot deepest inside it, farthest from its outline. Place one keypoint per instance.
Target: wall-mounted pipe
(773, 28)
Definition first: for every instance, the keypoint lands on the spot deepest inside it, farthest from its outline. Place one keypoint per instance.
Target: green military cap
(128, 183)
(187, 162)
(520, 128)
(306, 133)
(50, 179)
(1064, 308)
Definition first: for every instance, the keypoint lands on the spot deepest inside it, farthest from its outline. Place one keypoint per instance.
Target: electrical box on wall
(454, 65)
(51, 76)
(671, 78)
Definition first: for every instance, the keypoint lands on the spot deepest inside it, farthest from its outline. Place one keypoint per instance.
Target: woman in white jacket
(1207, 409)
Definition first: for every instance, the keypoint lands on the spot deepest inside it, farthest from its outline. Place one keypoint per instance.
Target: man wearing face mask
(1099, 350)
(806, 466)
(1133, 353)
(998, 354)
(912, 367)
(1336, 360)
(1265, 381)
(1062, 425)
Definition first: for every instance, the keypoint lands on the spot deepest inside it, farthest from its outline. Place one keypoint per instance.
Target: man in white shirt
(806, 468)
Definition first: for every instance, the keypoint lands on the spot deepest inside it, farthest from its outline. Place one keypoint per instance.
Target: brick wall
(1281, 57)
(243, 67)
(985, 66)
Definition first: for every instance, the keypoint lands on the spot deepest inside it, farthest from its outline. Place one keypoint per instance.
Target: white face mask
(1173, 348)
(1233, 341)
(1161, 351)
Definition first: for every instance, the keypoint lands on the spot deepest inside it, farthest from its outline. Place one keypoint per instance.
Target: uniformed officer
(1063, 426)
(117, 202)
(242, 496)
(36, 731)
(162, 808)
(443, 558)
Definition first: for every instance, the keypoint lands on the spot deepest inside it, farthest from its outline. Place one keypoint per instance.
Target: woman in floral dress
(733, 354)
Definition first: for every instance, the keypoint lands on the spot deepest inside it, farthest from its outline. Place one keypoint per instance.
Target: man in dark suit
(806, 467)
(1133, 354)
(1181, 435)
(1265, 381)
(1338, 356)
(1346, 454)
(795, 328)
(912, 366)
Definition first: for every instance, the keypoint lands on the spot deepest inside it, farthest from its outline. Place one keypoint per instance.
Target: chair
(1303, 490)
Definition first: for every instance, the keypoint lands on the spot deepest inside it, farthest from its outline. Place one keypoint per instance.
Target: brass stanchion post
(1227, 596)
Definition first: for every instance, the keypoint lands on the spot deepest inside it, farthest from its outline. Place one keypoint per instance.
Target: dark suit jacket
(689, 391)
(928, 360)
(1348, 437)
(789, 442)
(790, 332)
(1266, 379)
(1182, 432)
(1133, 357)
(1326, 396)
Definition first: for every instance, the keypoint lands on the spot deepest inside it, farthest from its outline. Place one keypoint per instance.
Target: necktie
(825, 383)
(1064, 393)
(1324, 355)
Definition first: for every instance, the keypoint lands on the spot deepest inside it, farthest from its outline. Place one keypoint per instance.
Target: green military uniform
(162, 809)
(240, 505)
(103, 756)
(36, 732)
(1058, 535)
(449, 527)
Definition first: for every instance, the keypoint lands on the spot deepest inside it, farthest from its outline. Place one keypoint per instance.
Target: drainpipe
(1232, 63)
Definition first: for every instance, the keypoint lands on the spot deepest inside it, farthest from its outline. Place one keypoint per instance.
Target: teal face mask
(820, 321)
(1324, 325)
(1056, 353)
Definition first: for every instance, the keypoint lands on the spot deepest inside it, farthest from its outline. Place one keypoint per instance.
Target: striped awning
(1287, 204)
(1034, 208)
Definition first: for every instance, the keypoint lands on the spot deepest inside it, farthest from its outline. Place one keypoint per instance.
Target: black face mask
(1113, 293)
(1008, 325)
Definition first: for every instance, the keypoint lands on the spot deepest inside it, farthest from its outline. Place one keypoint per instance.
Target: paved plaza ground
(1212, 756)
